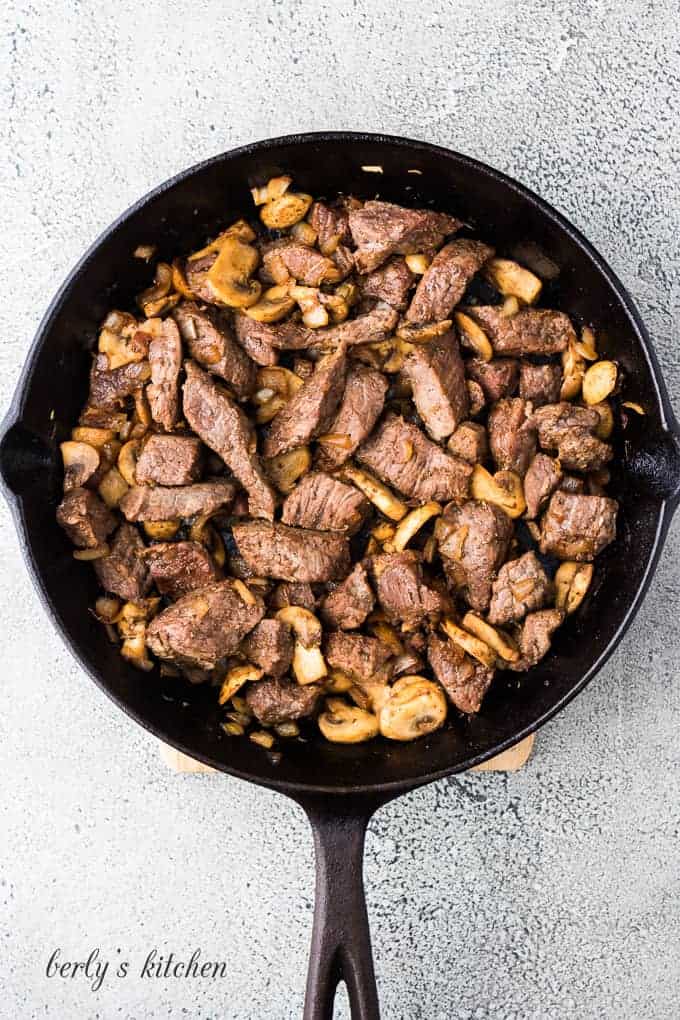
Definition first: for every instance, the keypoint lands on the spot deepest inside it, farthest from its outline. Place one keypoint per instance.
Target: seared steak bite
(222, 426)
(569, 429)
(512, 436)
(521, 587)
(401, 590)
(348, 606)
(473, 542)
(209, 337)
(177, 568)
(402, 456)
(165, 359)
(324, 503)
(530, 331)
(196, 273)
(360, 408)
(540, 384)
(390, 283)
(255, 339)
(465, 680)
(276, 701)
(469, 442)
(110, 387)
(381, 229)
(542, 478)
(270, 646)
(311, 411)
(437, 376)
(204, 626)
(371, 327)
(361, 657)
(306, 264)
(86, 520)
(291, 593)
(498, 377)
(123, 572)
(165, 503)
(535, 637)
(578, 527)
(331, 223)
(169, 460)
(476, 397)
(445, 281)
(292, 554)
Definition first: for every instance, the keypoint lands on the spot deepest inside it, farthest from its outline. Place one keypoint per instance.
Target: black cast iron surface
(340, 786)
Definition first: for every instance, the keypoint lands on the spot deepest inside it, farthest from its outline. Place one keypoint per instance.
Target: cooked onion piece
(504, 489)
(80, 462)
(418, 264)
(161, 531)
(573, 370)
(491, 636)
(235, 678)
(513, 280)
(638, 408)
(287, 468)
(134, 650)
(285, 211)
(314, 314)
(412, 523)
(599, 381)
(415, 707)
(379, 494)
(96, 553)
(474, 646)
(112, 487)
(572, 582)
(347, 724)
(274, 188)
(229, 275)
(473, 336)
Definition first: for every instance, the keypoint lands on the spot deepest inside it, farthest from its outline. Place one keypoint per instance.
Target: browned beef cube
(103, 418)
(521, 587)
(469, 442)
(359, 410)
(371, 327)
(498, 377)
(473, 542)
(361, 657)
(169, 460)
(541, 480)
(476, 397)
(535, 637)
(578, 527)
(348, 606)
(255, 339)
(109, 387)
(326, 504)
(124, 572)
(85, 519)
(291, 593)
(161, 503)
(437, 376)
(292, 554)
(402, 456)
(204, 626)
(303, 367)
(530, 331)
(222, 426)
(512, 436)
(196, 273)
(165, 359)
(307, 265)
(331, 223)
(401, 590)
(311, 411)
(569, 429)
(445, 281)
(277, 701)
(464, 680)
(209, 336)
(180, 567)
(390, 283)
(270, 646)
(540, 384)
(381, 229)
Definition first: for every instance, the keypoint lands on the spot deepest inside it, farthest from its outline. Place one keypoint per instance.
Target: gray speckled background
(552, 893)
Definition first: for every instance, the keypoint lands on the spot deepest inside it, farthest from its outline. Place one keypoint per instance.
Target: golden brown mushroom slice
(230, 274)
(415, 707)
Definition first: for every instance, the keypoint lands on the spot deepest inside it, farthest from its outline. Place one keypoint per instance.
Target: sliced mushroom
(474, 646)
(415, 707)
(418, 264)
(96, 553)
(145, 252)
(269, 409)
(121, 350)
(314, 314)
(388, 635)
(179, 281)
(338, 682)
(416, 334)
(304, 233)
(127, 460)
(273, 306)
(202, 531)
(605, 426)
(161, 531)
(309, 665)
(412, 523)
(92, 436)
(230, 274)
(573, 370)
(287, 468)
(383, 532)
(134, 650)
(80, 462)
(112, 487)
(631, 405)
(342, 440)
(235, 678)
(274, 188)
(504, 489)
(279, 380)
(346, 724)
(510, 307)
(473, 336)
(285, 211)
(585, 347)
(262, 738)
(599, 381)
(513, 280)
(491, 636)
(241, 230)
(379, 494)
(572, 582)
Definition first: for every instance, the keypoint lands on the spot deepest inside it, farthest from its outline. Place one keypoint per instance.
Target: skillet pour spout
(340, 787)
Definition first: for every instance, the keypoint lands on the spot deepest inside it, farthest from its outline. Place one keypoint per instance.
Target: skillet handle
(341, 941)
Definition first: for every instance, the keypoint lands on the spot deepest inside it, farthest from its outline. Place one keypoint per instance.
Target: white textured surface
(552, 893)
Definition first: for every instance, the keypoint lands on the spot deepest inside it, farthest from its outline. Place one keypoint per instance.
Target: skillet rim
(666, 507)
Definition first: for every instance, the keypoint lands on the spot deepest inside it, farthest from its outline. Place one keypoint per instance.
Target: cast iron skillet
(339, 787)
